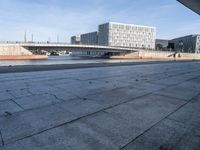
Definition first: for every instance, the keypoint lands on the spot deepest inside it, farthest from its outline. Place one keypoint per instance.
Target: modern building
(127, 35)
(162, 44)
(120, 35)
(89, 38)
(192, 4)
(190, 43)
(75, 39)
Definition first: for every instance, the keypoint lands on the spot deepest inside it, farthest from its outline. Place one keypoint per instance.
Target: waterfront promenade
(134, 107)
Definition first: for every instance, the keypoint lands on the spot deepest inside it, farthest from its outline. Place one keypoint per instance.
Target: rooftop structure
(192, 4)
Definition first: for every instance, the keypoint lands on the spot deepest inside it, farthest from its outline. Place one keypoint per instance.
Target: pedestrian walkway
(139, 107)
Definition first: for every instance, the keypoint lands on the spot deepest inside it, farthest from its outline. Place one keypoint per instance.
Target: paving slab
(103, 108)
(179, 92)
(63, 95)
(84, 88)
(80, 107)
(26, 123)
(40, 88)
(8, 106)
(170, 80)
(144, 112)
(189, 114)
(5, 96)
(167, 135)
(18, 93)
(148, 86)
(75, 136)
(117, 130)
(1, 141)
(117, 96)
(35, 101)
(14, 85)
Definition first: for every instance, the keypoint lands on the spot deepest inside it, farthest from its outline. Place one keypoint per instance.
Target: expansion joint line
(1, 136)
(160, 121)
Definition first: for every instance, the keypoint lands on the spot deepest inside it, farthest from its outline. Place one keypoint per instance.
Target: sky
(49, 19)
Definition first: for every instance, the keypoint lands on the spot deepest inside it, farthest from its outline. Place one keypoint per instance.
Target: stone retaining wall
(158, 55)
(31, 57)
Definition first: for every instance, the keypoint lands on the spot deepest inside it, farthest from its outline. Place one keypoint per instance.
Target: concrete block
(117, 130)
(20, 93)
(167, 135)
(37, 101)
(80, 107)
(40, 88)
(178, 92)
(5, 96)
(117, 96)
(8, 106)
(189, 114)
(63, 94)
(76, 136)
(84, 88)
(27, 123)
(144, 112)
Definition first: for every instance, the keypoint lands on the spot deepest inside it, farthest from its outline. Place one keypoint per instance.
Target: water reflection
(60, 60)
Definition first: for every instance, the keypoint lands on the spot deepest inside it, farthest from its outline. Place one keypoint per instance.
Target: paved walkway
(151, 106)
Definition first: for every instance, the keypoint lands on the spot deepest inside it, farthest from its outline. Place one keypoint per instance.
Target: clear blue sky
(49, 18)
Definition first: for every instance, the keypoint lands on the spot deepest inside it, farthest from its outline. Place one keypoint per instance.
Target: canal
(61, 60)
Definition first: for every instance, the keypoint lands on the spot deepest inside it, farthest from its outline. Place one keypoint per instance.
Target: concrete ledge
(158, 55)
(33, 57)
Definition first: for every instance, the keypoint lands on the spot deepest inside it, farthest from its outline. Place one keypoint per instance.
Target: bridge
(19, 48)
(68, 47)
(72, 47)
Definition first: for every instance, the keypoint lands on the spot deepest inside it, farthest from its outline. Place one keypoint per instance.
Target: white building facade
(127, 35)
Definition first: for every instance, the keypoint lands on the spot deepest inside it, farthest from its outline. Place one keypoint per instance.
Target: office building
(121, 35)
(89, 38)
(162, 44)
(127, 35)
(75, 39)
(190, 43)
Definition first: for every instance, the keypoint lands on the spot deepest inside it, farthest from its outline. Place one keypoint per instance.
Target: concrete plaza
(138, 107)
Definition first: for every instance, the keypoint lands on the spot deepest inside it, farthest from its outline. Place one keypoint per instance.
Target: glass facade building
(190, 43)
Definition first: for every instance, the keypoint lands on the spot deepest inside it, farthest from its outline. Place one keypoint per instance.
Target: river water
(61, 60)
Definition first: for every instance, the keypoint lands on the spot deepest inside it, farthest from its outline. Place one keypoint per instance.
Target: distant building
(127, 35)
(190, 43)
(90, 38)
(162, 44)
(75, 39)
(120, 35)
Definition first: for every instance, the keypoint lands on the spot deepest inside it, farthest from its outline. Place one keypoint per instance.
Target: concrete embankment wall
(30, 57)
(159, 55)
(13, 50)
(16, 52)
